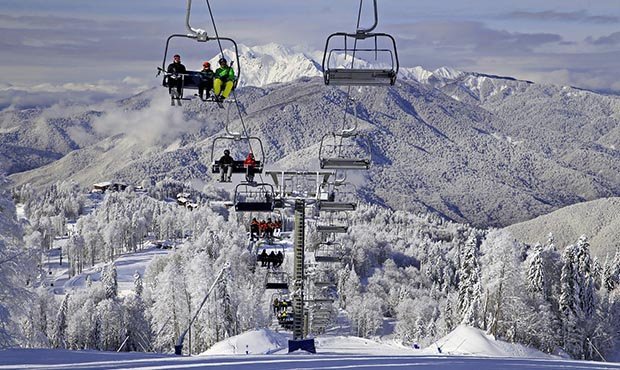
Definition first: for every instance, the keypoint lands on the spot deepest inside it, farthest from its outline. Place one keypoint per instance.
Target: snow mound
(260, 341)
(466, 340)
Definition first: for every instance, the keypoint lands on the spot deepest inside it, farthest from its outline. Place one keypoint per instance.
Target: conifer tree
(469, 289)
(611, 273)
(577, 299)
(14, 267)
(138, 283)
(109, 281)
(60, 327)
(535, 272)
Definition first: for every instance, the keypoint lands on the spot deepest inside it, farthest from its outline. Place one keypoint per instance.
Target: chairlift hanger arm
(376, 17)
(197, 32)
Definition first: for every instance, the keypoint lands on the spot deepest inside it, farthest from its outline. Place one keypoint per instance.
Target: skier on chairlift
(254, 230)
(175, 80)
(226, 167)
(206, 81)
(250, 165)
(224, 77)
(262, 258)
(279, 259)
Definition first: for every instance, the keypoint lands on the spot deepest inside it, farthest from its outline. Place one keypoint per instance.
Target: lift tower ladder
(298, 270)
(300, 318)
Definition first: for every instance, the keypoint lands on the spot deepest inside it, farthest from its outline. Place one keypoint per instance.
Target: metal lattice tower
(298, 270)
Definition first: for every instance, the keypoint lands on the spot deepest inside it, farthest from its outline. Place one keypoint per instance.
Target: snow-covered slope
(265, 341)
(599, 220)
(505, 159)
(475, 148)
(95, 360)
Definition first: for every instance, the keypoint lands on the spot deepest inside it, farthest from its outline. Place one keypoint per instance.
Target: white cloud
(21, 96)
(158, 123)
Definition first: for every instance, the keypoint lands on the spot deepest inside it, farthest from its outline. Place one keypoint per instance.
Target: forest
(424, 273)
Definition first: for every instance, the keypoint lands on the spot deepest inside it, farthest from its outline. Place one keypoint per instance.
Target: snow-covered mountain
(475, 148)
(272, 63)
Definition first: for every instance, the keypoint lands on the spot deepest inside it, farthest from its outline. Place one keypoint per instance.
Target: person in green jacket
(224, 76)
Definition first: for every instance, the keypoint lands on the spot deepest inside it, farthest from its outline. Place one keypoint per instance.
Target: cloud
(472, 36)
(576, 16)
(609, 40)
(538, 57)
(592, 71)
(19, 96)
(157, 123)
(55, 49)
(75, 48)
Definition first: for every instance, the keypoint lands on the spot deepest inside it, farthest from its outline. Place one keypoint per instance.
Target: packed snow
(464, 348)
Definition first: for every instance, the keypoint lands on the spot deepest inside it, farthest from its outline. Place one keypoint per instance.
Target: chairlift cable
(348, 96)
(245, 131)
(234, 94)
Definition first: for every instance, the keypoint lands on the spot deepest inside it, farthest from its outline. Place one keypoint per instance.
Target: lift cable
(245, 131)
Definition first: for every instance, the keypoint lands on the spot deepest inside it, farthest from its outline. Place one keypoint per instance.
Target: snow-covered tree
(135, 324)
(536, 272)
(15, 262)
(38, 322)
(366, 315)
(469, 289)
(349, 286)
(170, 308)
(109, 281)
(577, 297)
(503, 283)
(110, 330)
(611, 272)
(59, 333)
(138, 283)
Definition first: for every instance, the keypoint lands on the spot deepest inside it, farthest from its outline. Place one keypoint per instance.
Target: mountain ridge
(471, 147)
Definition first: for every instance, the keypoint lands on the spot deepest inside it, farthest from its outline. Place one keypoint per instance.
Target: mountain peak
(272, 63)
(275, 63)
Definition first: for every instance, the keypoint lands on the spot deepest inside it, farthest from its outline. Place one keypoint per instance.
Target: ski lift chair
(293, 184)
(254, 143)
(341, 197)
(191, 79)
(359, 75)
(276, 280)
(254, 197)
(356, 76)
(344, 151)
(328, 252)
(333, 223)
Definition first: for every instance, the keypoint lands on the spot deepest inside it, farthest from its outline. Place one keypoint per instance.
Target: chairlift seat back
(359, 77)
(344, 164)
(254, 206)
(336, 229)
(328, 206)
(326, 259)
(190, 80)
(276, 285)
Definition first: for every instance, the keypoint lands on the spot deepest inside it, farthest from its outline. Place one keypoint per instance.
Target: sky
(87, 49)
